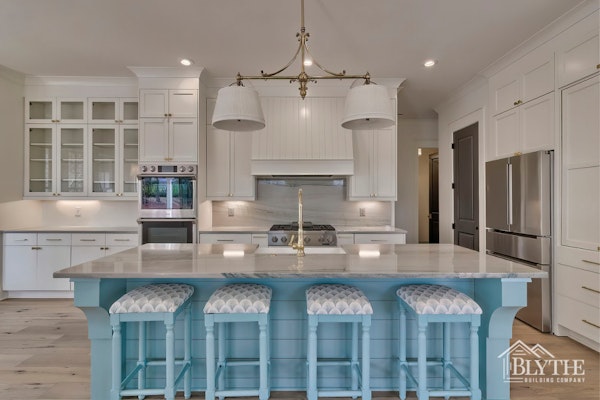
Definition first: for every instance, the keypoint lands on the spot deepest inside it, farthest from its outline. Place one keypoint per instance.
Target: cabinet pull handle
(591, 262)
(36, 248)
(259, 236)
(53, 240)
(598, 66)
(516, 103)
(590, 323)
(224, 240)
(378, 240)
(87, 240)
(21, 240)
(590, 289)
(122, 240)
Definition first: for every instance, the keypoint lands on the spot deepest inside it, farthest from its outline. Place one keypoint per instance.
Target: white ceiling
(388, 38)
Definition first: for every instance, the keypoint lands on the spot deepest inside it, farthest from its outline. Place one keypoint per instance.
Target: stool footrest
(236, 393)
(334, 361)
(450, 392)
(239, 362)
(339, 393)
(144, 392)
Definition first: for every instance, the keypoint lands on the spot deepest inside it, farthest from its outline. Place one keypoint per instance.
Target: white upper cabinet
(169, 125)
(106, 110)
(581, 165)
(526, 79)
(521, 99)
(54, 110)
(228, 165)
(157, 103)
(578, 53)
(374, 166)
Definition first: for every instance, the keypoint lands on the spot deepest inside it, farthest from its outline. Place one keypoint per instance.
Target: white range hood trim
(302, 167)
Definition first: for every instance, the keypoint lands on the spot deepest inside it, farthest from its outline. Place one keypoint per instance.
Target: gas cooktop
(314, 234)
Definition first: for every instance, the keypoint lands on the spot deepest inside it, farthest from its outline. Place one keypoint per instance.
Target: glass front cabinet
(86, 148)
(114, 157)
(56, 161)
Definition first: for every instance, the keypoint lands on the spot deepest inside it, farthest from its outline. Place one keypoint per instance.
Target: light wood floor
(44, 354)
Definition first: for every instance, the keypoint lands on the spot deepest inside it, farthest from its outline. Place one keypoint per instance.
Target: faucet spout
(299, 245)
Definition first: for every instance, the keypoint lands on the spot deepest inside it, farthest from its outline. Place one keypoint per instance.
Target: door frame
(446, 192)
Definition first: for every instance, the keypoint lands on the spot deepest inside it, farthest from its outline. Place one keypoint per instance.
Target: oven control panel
(157, 169)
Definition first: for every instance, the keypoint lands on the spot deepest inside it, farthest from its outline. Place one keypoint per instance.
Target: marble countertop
(245, 261)
(338, 228)
(119, 229)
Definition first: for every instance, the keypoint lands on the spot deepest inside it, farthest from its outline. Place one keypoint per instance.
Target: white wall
(412, 134)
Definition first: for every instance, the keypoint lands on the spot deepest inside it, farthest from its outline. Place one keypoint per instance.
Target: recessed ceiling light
(429, 63)
(186, 61)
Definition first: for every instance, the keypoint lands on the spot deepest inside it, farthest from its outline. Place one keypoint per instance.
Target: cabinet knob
(598, 66)
(516, 103)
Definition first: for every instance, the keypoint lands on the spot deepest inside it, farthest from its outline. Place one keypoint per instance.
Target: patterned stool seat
(437, 299)
(162, 297)
(337, 303)
(241, 298)
(160, 302)
(334, 299)
(437, 304)
(238, 302)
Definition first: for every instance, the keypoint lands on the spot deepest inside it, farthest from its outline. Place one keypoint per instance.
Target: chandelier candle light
(367, 106)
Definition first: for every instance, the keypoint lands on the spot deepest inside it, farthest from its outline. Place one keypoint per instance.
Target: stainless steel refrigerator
(519, 224)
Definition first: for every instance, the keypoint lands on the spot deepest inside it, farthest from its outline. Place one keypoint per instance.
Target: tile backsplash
(324, 203)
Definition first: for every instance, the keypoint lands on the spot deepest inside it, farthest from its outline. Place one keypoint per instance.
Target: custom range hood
(302, 138)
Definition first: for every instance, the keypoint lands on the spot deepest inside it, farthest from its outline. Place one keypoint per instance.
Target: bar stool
(241, 302)
(155, 302)
(438, 304)
(341, 304)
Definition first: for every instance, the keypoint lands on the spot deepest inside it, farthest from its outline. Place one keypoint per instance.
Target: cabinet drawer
(89, 239)
(54, 239)
(578, 258)
(20, 239)
(224, 238)
(578, 317)
(261, 239)
(578, 284)
(122, 239)
(380, 238)
(345, 238)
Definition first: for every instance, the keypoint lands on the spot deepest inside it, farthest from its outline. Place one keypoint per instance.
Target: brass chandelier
(367, 106)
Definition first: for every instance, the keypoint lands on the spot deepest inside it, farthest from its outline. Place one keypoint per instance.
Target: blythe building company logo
(535, 364)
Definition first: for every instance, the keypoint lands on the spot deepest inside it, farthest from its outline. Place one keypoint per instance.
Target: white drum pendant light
(238, 109)
(368, 107)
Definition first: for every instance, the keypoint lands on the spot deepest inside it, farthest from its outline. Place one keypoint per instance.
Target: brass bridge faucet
(299, 245)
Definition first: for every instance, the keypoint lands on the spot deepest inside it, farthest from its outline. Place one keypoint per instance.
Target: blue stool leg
(403, 339)
(116, 361)
(312, 358)
(446, 357)
(354, 359)
(222, 357)
(422, 392)
(187, 355)
(142, 357)
(170, 361)
(209, 323)
(366, 357)
(263, 390)
(475, 390)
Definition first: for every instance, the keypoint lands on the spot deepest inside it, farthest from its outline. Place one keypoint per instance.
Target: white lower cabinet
(379, 238)
(30, 259)
(578, 294)
(91, 246)
(345, 238)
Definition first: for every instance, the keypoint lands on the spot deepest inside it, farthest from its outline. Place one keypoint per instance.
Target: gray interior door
(466, 188)
(434, 209)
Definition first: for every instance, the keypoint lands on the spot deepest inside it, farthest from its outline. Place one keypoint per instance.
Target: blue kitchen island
(499, 286)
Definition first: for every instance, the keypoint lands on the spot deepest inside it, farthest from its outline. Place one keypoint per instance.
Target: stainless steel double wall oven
(167, 203)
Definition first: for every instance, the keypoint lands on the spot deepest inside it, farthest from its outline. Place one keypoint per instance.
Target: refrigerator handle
(509, 211)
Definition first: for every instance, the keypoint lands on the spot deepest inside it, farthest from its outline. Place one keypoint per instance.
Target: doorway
(428, 195)
(466, 187)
